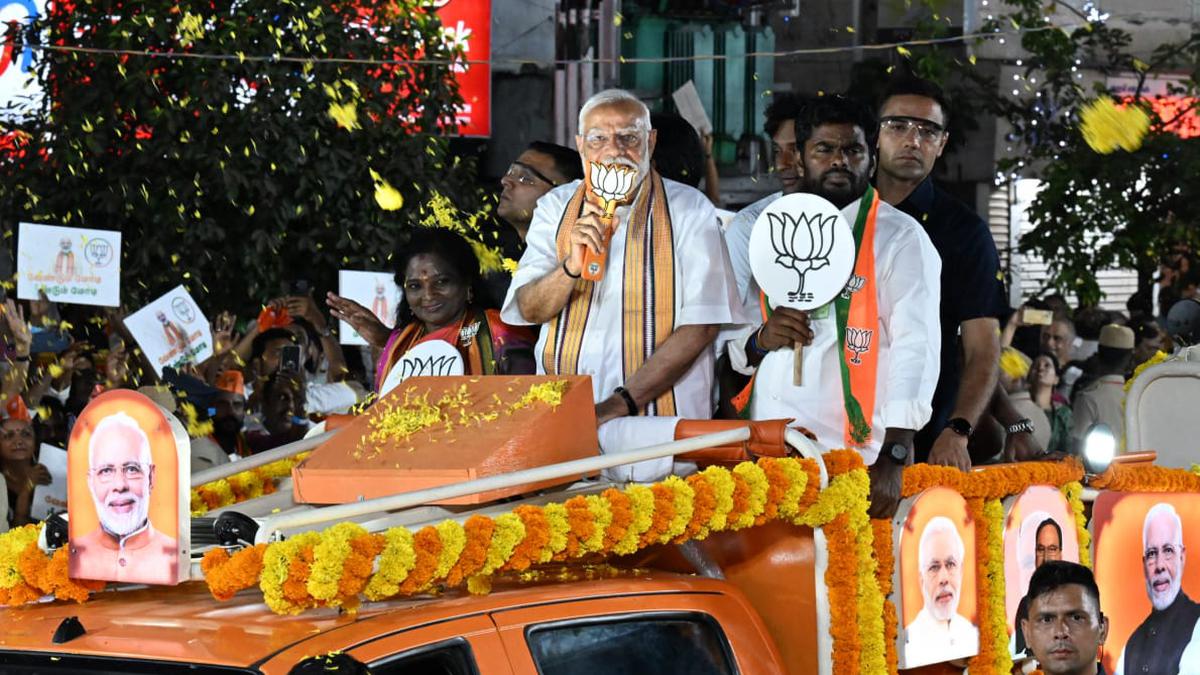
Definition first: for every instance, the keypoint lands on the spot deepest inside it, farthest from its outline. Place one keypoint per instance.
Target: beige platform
(466, 427)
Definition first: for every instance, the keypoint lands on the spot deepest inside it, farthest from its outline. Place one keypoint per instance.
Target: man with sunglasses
(1168, 640)
(912, 135)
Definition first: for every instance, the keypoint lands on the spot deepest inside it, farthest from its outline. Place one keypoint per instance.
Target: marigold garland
(885, 562)
(993, 654)
(1073, 491)
(993, 482)
(1146, 478)
(227, 575)
(242, 486)
(27, 573)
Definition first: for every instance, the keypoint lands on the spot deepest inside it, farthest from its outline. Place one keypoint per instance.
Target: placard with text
(71, 264)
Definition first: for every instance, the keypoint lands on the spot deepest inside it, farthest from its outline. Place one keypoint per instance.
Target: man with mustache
(1065, 628)
(1168, 640)
(644, 332)
(126, 547)
(940, 633)
(875, 397)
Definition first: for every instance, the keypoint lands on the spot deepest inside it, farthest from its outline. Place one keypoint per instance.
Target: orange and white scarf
(648, 290)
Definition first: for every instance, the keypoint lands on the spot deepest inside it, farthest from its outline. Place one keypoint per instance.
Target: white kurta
(908, 286)
(705, 290)
(930, 641)
(737, 239)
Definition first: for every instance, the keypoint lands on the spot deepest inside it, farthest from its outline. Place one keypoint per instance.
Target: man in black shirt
(912, 135)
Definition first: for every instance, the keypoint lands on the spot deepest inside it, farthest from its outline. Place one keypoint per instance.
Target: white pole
(286, 521)
(261, 459)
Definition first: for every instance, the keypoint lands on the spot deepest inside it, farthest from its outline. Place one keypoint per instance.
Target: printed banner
(172, 331)
(376, 291)
(71, 264)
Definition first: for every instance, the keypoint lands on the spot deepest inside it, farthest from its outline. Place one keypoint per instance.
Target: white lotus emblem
(801, 244)
(611, 182)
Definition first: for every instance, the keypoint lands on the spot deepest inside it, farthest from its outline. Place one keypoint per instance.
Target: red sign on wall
(469, 23)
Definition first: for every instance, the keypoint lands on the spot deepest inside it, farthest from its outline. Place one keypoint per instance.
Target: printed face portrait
(1163, 555)
(121, 474)
(1049, 543)
(941, 559)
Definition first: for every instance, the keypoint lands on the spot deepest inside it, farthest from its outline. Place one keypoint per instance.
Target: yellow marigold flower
(454, 540)
(329, 556)
(1107, 126)
(191, 28)
(394, 563)
(1014, 364)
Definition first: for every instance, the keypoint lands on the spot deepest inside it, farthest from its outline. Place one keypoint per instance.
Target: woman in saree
(443, 298)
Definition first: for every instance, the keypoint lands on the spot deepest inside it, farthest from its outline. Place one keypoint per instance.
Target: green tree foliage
(1095, 211)
(232, 175)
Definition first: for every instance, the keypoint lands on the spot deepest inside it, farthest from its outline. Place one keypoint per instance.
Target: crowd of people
(676, 328)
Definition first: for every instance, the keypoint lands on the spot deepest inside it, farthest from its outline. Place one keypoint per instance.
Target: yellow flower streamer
(1159, 357)
(328, 558)
(757, 480)
(277, 562)
(1073, 491)
(993, 657)
(454, 540)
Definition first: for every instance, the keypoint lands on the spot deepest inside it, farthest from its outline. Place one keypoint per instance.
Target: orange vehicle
(739, 601)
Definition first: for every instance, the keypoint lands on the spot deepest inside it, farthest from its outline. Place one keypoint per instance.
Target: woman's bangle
(752, 343)
(568, 272)
(629, 402)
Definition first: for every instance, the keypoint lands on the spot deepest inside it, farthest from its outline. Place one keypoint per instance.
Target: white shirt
(930, 641)
(705, 291)
(737, 238)
(908, 286)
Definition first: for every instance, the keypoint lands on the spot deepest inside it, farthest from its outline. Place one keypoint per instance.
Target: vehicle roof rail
(272, 527)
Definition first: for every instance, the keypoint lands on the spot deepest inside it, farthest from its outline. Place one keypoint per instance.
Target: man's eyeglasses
(1167, 552)
(1052, 550)
(527, 175)
(624, 141)
(132, 471)
(900, 126)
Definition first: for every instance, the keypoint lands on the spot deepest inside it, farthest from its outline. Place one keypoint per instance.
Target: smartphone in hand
(1036, 317)
(289, 359)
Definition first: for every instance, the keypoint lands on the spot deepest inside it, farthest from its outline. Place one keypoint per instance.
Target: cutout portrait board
(377, 291)
(1038, 526)
(801, 251)
(429, 358)
(1125, 527)
(128, 481)
(935, 578)
(172, 330)
(71, 264)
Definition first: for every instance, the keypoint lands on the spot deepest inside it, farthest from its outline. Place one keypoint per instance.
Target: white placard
(687, 101)
(801, 251)
(51, 498)
(435, 357)
(377, 291)
(172, 330)
(72, 264)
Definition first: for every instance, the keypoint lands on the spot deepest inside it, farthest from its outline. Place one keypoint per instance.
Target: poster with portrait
(935, 579)
(172, 330)
(128, 486)
(377, 291)
(70, 264)
(1148, 589)
(1038, 527)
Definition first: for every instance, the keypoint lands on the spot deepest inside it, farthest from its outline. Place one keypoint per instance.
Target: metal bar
(588, 465)
(702, 561)
(261, 459)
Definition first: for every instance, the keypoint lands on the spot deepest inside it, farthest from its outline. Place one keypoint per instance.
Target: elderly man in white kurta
(645, 331)
(870, 360)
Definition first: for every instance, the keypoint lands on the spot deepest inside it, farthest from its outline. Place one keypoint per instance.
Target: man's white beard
(935, 610)
(126, 524)
(1164, 600)
(642, 168)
